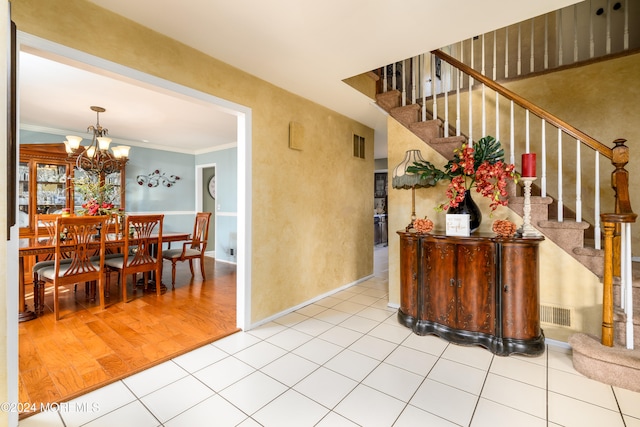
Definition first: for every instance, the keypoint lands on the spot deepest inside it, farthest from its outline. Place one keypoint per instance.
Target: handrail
(550, 118)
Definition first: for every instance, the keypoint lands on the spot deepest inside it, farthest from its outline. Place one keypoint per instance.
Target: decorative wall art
(156, 178)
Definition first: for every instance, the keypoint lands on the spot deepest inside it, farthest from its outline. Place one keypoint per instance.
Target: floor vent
(560, 316)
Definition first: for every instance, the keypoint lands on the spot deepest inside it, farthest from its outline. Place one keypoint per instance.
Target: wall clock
(212, 187)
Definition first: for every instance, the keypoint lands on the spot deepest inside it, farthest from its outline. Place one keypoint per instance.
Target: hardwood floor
(89, 348)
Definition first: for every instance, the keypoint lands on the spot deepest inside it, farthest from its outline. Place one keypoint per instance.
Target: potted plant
(478, 165)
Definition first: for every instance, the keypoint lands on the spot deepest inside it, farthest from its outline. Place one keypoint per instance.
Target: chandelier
(97, 158)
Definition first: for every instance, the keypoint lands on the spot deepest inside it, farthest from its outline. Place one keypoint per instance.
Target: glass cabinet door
(23, 195)
(51, 188)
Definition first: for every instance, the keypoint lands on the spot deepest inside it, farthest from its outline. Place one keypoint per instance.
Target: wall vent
(358, 146)
(559, 316)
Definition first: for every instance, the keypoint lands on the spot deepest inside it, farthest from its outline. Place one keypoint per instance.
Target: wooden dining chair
(44, 227)
(193, 249)
(73, 261)
(143, 233)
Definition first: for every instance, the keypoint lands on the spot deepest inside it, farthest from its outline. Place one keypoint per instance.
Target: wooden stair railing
(617, 251)
(619, 155)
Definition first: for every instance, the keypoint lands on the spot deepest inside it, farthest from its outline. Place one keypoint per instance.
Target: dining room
(90, 346)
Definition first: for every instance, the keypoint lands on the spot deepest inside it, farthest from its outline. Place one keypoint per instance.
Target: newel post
(620, 185)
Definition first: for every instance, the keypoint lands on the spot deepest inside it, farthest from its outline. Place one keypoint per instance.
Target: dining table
(30, 246)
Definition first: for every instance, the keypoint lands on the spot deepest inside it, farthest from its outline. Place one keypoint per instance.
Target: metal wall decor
(156, 178)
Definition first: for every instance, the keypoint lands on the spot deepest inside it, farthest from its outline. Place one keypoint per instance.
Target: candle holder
(528, 230)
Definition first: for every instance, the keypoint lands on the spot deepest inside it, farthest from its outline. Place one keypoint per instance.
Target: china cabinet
(46, 176)
(480, 290)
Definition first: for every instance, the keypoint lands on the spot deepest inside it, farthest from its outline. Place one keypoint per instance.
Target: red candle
(529, 165)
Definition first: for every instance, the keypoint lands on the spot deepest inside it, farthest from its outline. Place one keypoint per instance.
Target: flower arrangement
(480, 165)
(98, 197)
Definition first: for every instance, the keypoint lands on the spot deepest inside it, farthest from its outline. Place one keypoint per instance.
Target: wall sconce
(155, 178)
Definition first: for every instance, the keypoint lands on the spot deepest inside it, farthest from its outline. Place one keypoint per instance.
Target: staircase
(614, 365)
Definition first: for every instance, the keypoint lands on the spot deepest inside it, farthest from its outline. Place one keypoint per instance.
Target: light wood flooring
(89, 348)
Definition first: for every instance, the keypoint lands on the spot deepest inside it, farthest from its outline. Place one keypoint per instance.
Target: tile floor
(345, 361)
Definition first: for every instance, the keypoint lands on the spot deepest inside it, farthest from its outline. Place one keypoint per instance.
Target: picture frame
(458, 225)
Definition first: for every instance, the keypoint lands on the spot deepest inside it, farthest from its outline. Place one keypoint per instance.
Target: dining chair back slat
(74, 256)
(142, 251)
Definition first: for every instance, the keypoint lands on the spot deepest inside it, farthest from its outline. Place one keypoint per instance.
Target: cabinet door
(24, 192)
(475, 284)
(520, 310)
(438, 266)
(50, 187)
(409, 275)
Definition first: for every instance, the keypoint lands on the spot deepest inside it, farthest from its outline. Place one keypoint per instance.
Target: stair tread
(567, 223)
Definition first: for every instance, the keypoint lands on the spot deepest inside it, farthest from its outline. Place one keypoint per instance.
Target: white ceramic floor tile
(326, 387)
(376, 313)
(253, 392)
(267, 330)
(492, 414)
(329, 302)
(472, 355)
(394, 381)
(42, 419)
(582, 388)
(236, 342)
(359, 324)
(351, 364)
(313, 327)
(291, 319)
(412, 360)
(97, 403)
(428, 344)
(445, 401)
(560, 360)
(629, 401)
(334, 420)
(628, 421)
(332, 316)
(570, 412)
(368, 407)
(373, 347)
(376, 292)
(341, 336)
(412, 416)
(214, 411)
(364, 299)
(222, 374)
(318, 350)
(289, 339)
(154, 378)
(394, 332)
(290, 409)
(260, 354)
(200, 358)
(516, 395)
(182, 395)
(520, 370)
(132, 415)
(311, 310)
(349, 307)
(458, 375)
(289, 369)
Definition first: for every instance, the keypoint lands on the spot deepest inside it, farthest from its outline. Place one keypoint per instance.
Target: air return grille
(560, 316)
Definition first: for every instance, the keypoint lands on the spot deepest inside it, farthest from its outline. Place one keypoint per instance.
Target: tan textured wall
(601, 99)
(312, 209)
(563, 281)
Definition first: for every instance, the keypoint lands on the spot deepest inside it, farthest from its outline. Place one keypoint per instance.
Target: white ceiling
(307, 48)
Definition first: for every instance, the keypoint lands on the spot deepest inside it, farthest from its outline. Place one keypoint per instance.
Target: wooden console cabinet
(480, 290)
